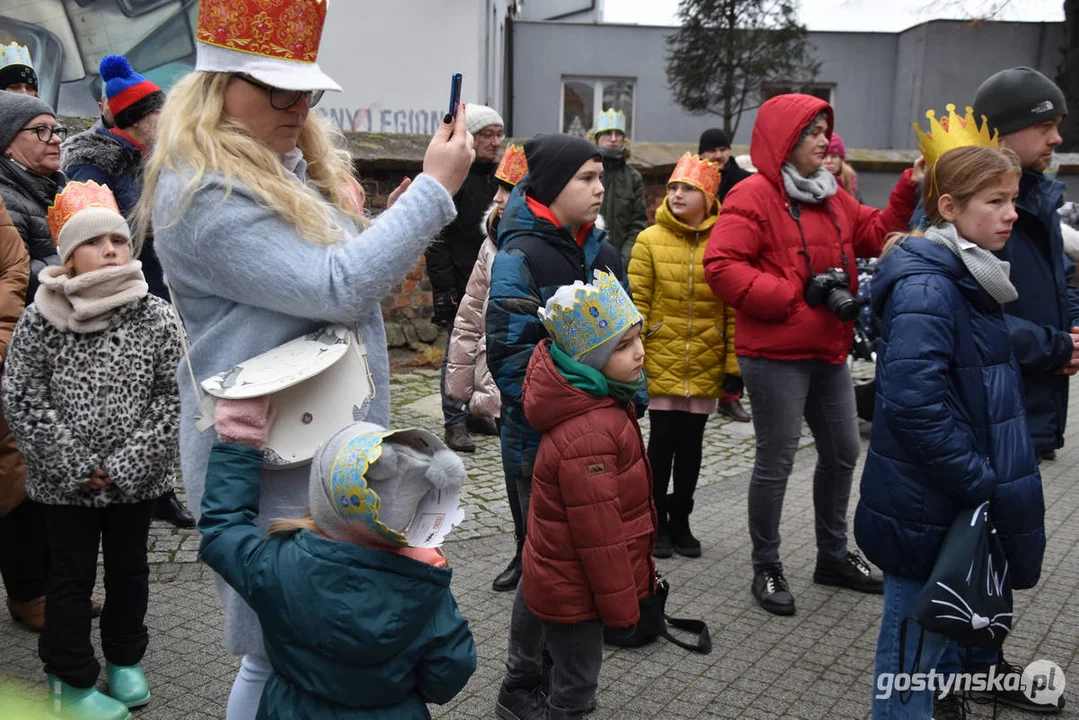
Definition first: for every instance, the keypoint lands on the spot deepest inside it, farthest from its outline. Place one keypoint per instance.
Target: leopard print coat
(78, 402)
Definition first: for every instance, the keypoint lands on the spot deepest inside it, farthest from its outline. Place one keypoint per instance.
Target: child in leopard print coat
(90, 394)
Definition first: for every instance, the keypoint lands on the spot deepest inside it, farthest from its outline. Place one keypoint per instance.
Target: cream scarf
(84, 303)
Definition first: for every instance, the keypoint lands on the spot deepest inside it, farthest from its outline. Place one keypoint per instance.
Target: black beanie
(13, 74)
(553, 160)
(713, 138)
(1018, 98)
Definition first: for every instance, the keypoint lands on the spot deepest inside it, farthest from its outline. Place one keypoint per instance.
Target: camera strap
(796, 214)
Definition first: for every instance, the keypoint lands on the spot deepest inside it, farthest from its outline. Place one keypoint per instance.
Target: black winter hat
(553, 160)
(713, 138)
(13, 74)
(1017, 98)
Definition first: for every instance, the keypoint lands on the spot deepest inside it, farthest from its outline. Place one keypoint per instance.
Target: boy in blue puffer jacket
(357, 624)
(949, 430)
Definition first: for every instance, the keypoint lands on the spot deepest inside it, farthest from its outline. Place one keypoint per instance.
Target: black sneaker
(949, 707)
(851, 572)
(1015, 698)
(508, 578)
(772, 592)
(521, 703)
(663, 543)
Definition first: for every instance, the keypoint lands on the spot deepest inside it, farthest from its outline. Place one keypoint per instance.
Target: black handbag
(656, 623)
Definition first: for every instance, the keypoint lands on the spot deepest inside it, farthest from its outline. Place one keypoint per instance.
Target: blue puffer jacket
(1047, 308)
(949, 429)
(535, 258)
(353, 633)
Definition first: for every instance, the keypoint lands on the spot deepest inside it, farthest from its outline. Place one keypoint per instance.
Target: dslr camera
(832, 287)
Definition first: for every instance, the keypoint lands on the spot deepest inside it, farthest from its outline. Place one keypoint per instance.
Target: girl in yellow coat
(689, 342)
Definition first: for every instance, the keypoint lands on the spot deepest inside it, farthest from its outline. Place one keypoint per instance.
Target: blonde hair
(291, 526)
(961, 173)
(196, 137)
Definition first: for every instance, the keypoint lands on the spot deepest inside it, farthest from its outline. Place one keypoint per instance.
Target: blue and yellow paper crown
(610, 120)
(597, 313)
(353, 500)
(14, 54)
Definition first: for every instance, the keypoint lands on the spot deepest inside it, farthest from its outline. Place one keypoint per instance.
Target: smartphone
(455, 93)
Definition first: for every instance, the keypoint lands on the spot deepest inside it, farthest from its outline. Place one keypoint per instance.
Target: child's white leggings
(247, 689)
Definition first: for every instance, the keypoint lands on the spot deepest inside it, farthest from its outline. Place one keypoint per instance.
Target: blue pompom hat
(131, 96)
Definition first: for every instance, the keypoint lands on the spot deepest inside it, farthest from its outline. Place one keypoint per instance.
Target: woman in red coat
(783, 255)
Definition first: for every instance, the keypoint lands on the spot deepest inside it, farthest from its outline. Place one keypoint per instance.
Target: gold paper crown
(595, 314)
(76, 197)
(611, 120)
(514, 165)
(953, 132)
(701, 174)
(14, 54)
(271, 28)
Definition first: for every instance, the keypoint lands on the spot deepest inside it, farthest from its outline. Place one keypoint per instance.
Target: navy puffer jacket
(949, 428)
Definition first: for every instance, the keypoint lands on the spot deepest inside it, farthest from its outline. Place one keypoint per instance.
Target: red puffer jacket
(755, 262)
(591, 519)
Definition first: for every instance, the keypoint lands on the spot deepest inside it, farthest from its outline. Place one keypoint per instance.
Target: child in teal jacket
(356, 624)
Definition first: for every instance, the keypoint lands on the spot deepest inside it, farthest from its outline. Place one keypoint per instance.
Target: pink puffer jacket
(467, 378)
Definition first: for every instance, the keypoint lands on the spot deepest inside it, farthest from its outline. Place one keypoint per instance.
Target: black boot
(663, 542)
(169, 508)
(682, 539)
(508, 578)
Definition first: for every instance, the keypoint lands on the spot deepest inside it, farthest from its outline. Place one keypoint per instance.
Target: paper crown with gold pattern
(582, 317)
(14, 54)
(951, 132)
(701, 174)
(513, 166)
(610, 120)
(273, 41)
(76, 197)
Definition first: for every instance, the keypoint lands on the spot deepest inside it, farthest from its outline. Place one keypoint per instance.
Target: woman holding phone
(259, 226)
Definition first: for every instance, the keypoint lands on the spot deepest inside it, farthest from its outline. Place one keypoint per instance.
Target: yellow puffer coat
(688, 331)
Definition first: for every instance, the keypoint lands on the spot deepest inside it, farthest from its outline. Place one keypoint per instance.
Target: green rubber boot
(127, 683)
(71, 703)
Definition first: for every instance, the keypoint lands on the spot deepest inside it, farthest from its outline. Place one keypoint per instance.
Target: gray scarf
(812, 190)
(988, 270)
(84, 303)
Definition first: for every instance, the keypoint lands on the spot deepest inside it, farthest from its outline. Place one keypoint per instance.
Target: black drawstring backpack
(654, 623)
(968, 597)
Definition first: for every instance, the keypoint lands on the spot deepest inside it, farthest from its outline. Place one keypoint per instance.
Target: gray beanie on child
(16, 110)
(366, 482)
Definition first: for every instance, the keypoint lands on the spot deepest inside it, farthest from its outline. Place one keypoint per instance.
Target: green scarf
(592, 381)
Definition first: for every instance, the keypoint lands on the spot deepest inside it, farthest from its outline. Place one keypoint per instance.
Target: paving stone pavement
(817, 664)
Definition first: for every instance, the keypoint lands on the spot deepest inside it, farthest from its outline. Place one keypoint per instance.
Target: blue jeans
(955, 658)
(899, 597)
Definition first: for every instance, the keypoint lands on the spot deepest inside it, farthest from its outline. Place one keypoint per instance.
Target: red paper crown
(514, 166)
(76, 197)
(701, 174)
(271, 28)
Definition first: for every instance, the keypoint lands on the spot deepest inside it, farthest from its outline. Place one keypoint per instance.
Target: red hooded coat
(754, 260)
(591, 518)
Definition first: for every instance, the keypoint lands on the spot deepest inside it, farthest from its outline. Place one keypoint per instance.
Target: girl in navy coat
(949, 428)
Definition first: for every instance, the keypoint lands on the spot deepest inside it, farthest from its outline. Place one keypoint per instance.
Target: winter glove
(244, 422)
(733, 385)
(445, 307)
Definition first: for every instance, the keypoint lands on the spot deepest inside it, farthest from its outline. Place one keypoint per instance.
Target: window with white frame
(585, 98)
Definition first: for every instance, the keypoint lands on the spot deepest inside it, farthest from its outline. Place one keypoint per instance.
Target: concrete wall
(883, 82)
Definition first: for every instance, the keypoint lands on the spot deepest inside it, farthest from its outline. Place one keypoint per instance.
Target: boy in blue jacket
(356, 624)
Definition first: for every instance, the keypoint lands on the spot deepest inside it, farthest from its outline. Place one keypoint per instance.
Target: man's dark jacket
(731, 175)
(450, 258)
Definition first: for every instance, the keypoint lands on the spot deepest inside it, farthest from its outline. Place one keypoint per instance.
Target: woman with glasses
(30, 174)
(29, 180)
(258, 223)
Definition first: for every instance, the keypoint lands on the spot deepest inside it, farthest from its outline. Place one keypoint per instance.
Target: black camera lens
(843, 304)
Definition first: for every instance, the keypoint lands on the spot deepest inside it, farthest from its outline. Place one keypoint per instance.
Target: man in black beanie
(547, 238)
(715, 145)
(1026, 108)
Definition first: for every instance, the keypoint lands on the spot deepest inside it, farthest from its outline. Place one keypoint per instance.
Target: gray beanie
(1018, 98)
(366, 482)
(16, 110)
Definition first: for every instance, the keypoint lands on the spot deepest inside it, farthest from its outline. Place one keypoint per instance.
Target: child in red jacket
(591, 521)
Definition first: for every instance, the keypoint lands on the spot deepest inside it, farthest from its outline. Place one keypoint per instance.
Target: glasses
(284, 99)
(45, 133)
(489, 135)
